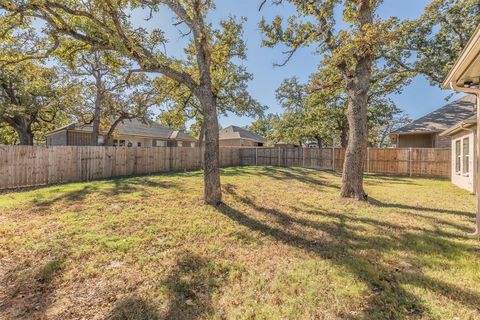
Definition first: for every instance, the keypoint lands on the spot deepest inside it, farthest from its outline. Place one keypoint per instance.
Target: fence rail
(23, 166)
(410, 161)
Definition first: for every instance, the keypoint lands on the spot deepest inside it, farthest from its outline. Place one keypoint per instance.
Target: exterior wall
(442, 142)
(464, 181)
(415, 141)
(238, 143)
(78, 138)
(57, 139)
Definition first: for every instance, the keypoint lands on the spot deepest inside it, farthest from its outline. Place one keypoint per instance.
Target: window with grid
(466, 156)
(458, 157)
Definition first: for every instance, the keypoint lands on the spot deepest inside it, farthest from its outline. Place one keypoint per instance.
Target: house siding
(464, 181)
(415, 141)
(442, 142)
(57, 139)
(238, 143)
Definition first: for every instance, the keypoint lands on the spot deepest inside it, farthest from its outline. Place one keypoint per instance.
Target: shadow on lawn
(115, 187)
(362, 256)
(309, 176)
(27, 290)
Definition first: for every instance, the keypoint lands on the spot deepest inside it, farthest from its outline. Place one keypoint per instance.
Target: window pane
(466, 155)
(457, 155)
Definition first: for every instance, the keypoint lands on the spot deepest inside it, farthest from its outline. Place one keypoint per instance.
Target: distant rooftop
(234, 132)
(443, 118)
(135, 127)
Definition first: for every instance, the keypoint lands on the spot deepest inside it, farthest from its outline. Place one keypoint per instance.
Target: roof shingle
(443, 118)
(234, 132)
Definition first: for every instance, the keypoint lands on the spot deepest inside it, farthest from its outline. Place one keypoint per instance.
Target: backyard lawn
(283, 246)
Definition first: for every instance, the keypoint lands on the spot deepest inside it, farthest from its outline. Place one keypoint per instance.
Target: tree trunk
(98, 110)
(357, 89)
(344, 137)
(319, 142)
(25, 136)
(109, 135)
(23, 128)
(212, 192)
(358, 86)
(200, 142)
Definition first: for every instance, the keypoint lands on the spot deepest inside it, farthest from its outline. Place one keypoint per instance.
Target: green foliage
(268, 126)
(430, 45)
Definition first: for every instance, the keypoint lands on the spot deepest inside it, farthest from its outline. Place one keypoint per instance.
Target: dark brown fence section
(22, 166)
(408, 162)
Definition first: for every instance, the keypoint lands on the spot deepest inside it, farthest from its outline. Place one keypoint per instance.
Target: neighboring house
(425, 131)
(130, 133)
(234, 136)
(282, 144)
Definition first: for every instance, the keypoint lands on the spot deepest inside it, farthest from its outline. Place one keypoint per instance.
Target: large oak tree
(106, 25)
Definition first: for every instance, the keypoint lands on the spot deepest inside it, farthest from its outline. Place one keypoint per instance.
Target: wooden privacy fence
(410, 161)
(22, 166)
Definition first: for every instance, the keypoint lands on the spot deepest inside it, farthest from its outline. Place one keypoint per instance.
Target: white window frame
(462, 164)
(458, 156)
(466, 157)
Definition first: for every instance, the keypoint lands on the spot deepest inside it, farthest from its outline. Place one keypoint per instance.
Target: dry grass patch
(283, 246)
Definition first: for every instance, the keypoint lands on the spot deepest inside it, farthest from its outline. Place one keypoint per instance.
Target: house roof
(135, 127)
(442, 118)
(234, 132)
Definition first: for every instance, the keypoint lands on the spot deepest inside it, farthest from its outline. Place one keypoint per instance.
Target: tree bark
(25, 136)
(23, 128)
(319, 142)
(200, 143)
(357, 89)
(211, 176)
(98, 110)
(344, 137)
(358, 86)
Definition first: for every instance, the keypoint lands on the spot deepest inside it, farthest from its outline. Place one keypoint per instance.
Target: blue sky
(417, 99)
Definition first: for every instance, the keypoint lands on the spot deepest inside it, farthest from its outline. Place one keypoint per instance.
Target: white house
(465, 77)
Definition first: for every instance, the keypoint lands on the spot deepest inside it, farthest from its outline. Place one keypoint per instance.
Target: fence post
(410, 161)
(333, 158)
(256, 156)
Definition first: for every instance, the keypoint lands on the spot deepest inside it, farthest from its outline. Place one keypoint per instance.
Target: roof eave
(458, 127)
(467, 56)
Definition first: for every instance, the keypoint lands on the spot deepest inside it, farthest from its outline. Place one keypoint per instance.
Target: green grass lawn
(283, 246)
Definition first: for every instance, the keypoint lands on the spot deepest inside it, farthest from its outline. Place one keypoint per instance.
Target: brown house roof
(443, 118)
(135, 127)
(234, 132)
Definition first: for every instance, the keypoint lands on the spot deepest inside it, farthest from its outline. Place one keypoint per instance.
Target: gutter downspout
(476, 92)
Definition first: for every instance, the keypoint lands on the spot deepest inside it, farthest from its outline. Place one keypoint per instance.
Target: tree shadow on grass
(133, 308)
(189, 289)
(362, 255)
(379, 203)
(27, 291)
(308, 176)
(116, 187)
